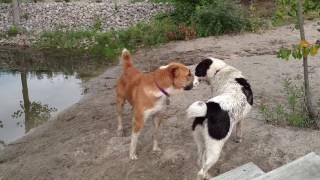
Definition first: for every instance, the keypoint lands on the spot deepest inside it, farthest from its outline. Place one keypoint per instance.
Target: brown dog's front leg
(157, 122)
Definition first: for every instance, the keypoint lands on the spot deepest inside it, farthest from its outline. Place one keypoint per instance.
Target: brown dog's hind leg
(120, 104)
(137, 125)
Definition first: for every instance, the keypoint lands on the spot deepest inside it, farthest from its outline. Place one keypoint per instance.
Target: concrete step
(304, 168)
(245, 172)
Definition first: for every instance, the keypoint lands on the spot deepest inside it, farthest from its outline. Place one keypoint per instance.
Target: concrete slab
(244, 172)
(304, 168)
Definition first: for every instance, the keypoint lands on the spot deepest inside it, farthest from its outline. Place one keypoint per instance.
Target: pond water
(34, 88)
(30, 99)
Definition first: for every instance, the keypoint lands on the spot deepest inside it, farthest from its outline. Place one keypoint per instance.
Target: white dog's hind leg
(199, 139)
(213, 150)
(238, 133)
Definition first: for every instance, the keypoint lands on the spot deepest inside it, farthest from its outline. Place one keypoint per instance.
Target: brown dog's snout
(190, 84)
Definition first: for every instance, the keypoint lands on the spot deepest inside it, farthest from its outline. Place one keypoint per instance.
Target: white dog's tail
(197, 109)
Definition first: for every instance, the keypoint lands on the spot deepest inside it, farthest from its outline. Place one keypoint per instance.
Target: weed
(13, 31)
(97, 25)
(293, 112)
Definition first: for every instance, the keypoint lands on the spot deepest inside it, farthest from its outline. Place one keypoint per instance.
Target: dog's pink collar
(162, 90)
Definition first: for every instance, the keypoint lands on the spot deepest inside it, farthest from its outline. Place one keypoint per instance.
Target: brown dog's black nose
(189, 86)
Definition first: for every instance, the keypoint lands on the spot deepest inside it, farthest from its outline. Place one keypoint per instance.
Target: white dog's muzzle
(196, 81)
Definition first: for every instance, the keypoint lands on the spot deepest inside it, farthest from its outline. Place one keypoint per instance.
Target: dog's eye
(189, 74)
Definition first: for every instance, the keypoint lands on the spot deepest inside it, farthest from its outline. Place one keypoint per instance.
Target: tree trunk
(15, 12)
(308, 98)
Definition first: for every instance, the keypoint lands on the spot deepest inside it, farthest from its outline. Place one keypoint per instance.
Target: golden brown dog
(147, 93)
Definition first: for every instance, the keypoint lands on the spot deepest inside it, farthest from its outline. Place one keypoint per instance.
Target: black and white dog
(215, 119)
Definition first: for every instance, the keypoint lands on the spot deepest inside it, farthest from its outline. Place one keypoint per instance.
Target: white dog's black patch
(202, 68)
(197, 121)
(246, 89)
(218, 121)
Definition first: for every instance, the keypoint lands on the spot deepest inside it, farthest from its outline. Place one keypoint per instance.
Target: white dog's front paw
(156, 149)
(237, 139)
(120, 132)
(133, 156)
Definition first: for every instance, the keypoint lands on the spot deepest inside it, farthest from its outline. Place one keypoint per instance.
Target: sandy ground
(82, 143)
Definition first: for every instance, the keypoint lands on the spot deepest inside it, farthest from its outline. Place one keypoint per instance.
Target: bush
(210, 17)
(286, 11)
(219, 18)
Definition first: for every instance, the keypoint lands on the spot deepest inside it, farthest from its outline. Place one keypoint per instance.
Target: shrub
(210, 17)
(286, 10)
(219, 18)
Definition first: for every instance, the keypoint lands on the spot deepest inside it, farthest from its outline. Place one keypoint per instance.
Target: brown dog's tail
(126, 59)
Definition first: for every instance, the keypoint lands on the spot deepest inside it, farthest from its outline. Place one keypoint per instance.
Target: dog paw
(133, 157)
(156, 149)
(237, 140)
(120, 132)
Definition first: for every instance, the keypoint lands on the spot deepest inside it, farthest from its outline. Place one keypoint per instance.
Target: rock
(80, 15)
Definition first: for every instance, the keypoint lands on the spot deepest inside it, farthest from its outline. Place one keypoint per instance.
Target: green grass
(189, 20)
(108, 45)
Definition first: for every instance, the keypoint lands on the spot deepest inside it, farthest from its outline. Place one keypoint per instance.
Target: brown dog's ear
(173, 69)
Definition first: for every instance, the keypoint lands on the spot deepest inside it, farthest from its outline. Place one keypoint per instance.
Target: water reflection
(35, 113)
(28, 100)
(36, 85)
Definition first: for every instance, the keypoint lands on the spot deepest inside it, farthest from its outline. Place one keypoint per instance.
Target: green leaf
(284, 53)
(296, 53)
